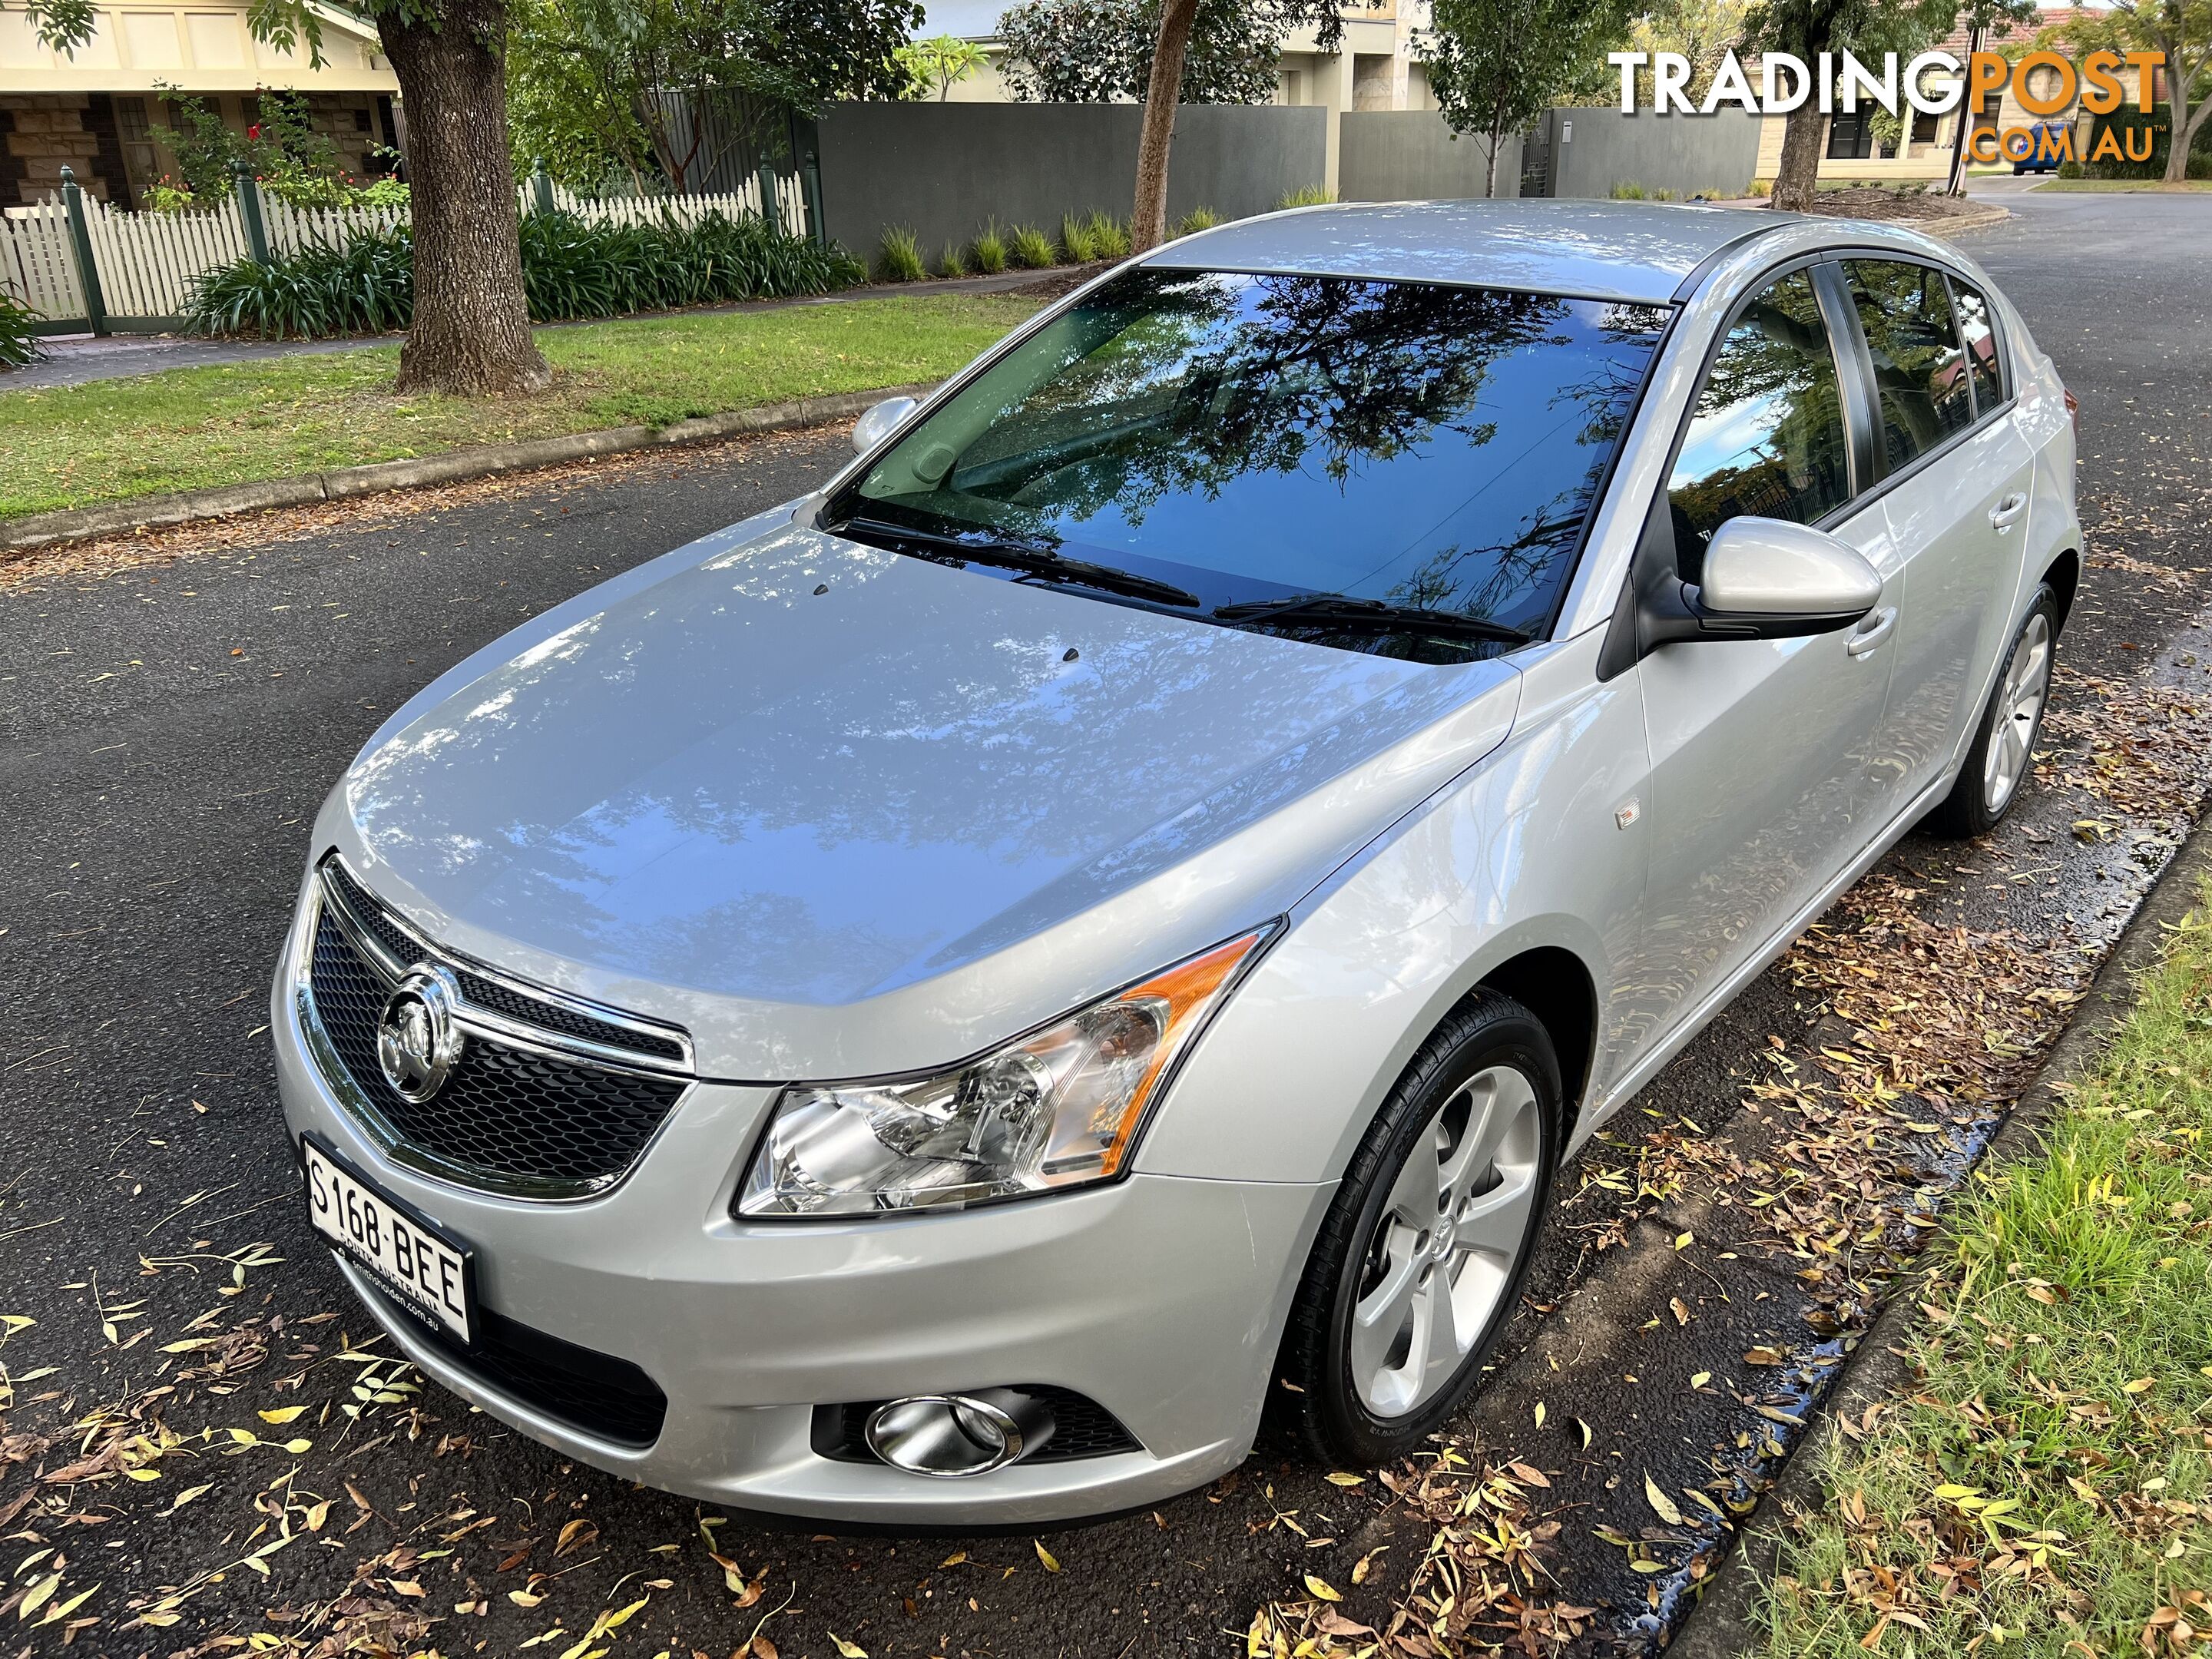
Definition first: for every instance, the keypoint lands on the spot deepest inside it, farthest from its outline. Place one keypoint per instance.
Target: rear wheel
(1425, 1247)
(2004, 747)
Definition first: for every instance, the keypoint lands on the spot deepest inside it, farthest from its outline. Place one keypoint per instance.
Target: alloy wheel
(1447, 1241)
(2019, 710)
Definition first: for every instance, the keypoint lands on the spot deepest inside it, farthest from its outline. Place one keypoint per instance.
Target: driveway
(196, 1432)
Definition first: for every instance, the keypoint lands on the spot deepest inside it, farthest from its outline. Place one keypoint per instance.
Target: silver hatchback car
(926, 1005)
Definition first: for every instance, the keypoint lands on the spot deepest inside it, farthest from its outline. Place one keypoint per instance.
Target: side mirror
(1762, 579)
(879, 422)
(1763, 569)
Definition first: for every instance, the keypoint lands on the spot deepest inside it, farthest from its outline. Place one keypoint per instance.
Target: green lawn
(2125, 184)
(190, 428)
(2043, 1489)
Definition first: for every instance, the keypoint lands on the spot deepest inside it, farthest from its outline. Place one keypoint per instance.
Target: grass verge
(2043, 1489)
(193, 428)
(2132, 186)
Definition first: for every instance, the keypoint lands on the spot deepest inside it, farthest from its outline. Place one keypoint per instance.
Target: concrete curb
(1721, 1626)
(343, 483)
(1980, 219)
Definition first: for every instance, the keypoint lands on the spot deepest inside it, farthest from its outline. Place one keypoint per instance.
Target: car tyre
(1997, 767)
(1407, 1289)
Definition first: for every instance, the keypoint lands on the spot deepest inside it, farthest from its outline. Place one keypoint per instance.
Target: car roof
(1633, 251)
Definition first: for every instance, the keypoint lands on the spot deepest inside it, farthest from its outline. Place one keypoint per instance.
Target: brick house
(97, 110)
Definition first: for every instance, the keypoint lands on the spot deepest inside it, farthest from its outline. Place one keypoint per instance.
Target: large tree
(2182, 29)
(602, 85)
(1806, 28)
(471, 336)
(1495, 65)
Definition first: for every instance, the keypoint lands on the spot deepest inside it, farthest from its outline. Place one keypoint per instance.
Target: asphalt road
(172, 714)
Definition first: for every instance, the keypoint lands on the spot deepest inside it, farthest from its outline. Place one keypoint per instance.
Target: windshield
(1244, 438)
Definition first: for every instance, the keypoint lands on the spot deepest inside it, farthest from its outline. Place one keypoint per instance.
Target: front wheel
(2004, 745)
(1426, 1242)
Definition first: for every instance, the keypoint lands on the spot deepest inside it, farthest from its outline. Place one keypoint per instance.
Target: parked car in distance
(2053, 144)
(927, 1006)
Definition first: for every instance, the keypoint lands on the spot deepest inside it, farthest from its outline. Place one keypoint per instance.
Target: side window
(1919, 369)
(1981, 342)
(1767, 436)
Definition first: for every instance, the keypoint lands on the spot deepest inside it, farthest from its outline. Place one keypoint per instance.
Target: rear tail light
(2073, 412)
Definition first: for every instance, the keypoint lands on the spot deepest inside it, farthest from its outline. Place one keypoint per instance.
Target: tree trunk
(471, 337)
(2185, 123)
(1798, 176)
(1148, 217)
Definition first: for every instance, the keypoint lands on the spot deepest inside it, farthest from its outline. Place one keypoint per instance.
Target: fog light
(947, 1435)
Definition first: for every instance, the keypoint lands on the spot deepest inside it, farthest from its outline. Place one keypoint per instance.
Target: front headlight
(1056, 1109)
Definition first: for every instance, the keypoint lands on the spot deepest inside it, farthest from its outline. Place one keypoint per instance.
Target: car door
(1766, 780)
(1958, 477)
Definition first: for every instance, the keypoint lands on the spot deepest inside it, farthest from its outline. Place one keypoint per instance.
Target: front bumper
(1159, 1297)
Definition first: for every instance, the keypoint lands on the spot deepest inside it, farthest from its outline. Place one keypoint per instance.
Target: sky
(962, 17)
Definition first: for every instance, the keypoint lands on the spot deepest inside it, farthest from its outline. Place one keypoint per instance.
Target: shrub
(952, 262)
(1076, 240)
(2069, 169)
(1031, 248)
(1311, 196)
(1109, 236)
(1198, 219)
(1627, 189)
(991, 250)
(1662, 194)
(570, 267)
(1760, 187)
(18, 345)
(166, 195)
(364, 287)
(898, 258)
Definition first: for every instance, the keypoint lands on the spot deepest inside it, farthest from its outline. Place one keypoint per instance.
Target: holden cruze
(928, 1004)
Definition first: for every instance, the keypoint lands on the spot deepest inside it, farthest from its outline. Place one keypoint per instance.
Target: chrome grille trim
(327, 896)
(474, 1016)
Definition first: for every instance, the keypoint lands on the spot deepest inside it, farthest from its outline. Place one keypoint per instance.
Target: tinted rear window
(1256, 436)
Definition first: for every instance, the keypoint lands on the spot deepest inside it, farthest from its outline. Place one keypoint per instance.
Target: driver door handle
(2008, 511)
(1872, 632)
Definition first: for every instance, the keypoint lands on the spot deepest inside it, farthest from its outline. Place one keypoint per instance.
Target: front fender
(1521, 851)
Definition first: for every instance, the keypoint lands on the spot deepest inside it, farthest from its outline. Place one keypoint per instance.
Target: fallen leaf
(1046, 1556)
(1322, 1588)
(1662, 1506)
(577, 1533)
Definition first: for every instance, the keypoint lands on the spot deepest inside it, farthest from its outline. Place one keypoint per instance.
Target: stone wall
(45, 131)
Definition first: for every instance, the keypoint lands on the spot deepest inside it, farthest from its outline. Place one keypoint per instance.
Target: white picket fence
(147, 261)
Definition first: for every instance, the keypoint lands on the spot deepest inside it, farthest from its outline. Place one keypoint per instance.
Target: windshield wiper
(1338, 610)
(1035, 561)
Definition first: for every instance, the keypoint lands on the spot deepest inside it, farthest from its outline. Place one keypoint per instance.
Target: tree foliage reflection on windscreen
(1251, 436)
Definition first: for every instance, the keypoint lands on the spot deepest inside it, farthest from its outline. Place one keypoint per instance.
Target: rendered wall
(944, 169)
(1410, 155)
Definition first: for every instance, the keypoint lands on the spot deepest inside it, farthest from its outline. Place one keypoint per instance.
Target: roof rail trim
(1696, 279)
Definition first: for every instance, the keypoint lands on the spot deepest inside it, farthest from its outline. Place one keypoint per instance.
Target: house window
(1923, 126)
(1851, 136)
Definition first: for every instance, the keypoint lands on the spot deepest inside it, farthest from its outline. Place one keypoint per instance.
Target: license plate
(423, 1266)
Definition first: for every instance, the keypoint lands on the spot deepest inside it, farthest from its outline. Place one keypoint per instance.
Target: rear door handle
(2006, 512)
(1872, 632)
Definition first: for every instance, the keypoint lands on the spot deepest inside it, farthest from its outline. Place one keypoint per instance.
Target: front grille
(508, 1117)
(404, 949)
(1081, 1427)
(592, 1392)
(488, 994)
